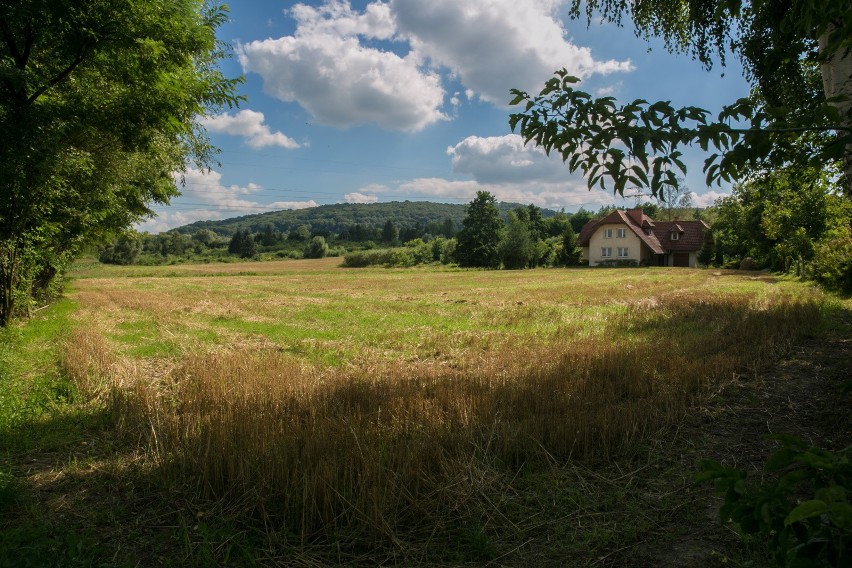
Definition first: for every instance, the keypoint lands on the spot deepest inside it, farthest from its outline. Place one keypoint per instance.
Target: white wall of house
(594, 253)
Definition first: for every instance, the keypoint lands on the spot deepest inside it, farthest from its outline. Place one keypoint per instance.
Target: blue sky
(390, 100)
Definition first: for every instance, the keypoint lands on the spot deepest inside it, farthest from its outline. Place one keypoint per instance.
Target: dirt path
(801, 396)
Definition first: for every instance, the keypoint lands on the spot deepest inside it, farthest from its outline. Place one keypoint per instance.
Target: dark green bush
(803, 511)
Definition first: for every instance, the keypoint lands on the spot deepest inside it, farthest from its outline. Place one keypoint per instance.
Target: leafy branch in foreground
(642, 143)
(816, 531)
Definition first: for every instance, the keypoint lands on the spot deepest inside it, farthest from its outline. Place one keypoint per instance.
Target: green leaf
(806, 510)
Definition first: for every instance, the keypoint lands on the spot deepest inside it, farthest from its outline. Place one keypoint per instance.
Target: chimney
(636, 215)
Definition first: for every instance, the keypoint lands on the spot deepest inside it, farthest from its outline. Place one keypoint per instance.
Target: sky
(393, 100)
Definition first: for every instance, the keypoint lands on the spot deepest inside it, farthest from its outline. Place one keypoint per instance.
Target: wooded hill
(338, 217)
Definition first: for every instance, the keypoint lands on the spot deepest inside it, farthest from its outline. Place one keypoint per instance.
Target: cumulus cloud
(504, 159)
(707, 198)
(495, 45)
(325, 68)
(381, 65)
(360, 198)
(568, 194)
(204, 197)
(250, 125)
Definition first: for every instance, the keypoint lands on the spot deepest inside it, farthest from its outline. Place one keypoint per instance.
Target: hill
(337, 217)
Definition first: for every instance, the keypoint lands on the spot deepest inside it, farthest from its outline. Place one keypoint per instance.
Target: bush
(812, 532)
(317, 248)
(748, 263)
(832, 264)
(618, 263)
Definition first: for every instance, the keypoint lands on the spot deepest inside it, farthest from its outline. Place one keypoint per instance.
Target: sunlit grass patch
(357, 406)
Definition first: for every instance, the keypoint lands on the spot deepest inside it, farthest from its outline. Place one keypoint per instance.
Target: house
(632, 236)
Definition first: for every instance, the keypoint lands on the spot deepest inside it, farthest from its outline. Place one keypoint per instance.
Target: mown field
(299, 413)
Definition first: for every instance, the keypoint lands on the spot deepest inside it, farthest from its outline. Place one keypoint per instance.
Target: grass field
(365, 415)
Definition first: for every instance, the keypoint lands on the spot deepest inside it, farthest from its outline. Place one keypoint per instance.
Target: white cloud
(504, 159)
(707, 198)
(568, 194)
(360, 198)
(381, 65)
(495, 45)
(340, 82)
(204, 197)
(250, 125)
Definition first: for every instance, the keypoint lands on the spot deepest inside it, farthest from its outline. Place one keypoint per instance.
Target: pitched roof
(690, 233)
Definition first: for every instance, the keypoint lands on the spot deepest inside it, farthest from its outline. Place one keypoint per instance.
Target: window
(675, 236)
(622, 252)
(606, 252)
(607, 233)
(621, 233)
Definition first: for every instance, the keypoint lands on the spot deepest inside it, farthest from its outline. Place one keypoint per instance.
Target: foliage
(242, 244)
(789, 118)
(708, 248)
(778, 217)
(570, 254)
(832, 263)
(811, 531)
(317, 248)
(517, 246)
(358, 222)
(478, 243)
(125, 250)
(100, 103)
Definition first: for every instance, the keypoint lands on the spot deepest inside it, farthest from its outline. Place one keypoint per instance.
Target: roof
(690, 233)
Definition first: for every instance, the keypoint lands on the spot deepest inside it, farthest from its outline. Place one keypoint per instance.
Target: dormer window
(647, 231)
(675, 236)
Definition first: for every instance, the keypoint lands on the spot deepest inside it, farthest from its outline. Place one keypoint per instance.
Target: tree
(708, 248)
(317, 248)
(517, 247)
(99, 107)
(125, 249)
(796, 54)
(778, 218)
(478, 242)
(390, 234)
(571, 254)
(580, 218)
(243, 244)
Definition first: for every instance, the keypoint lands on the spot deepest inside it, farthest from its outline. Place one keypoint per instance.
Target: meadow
(380, 411)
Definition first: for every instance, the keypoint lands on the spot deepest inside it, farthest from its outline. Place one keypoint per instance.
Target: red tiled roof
(690, 233)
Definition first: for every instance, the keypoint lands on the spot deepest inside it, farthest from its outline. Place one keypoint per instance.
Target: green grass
(585, 512)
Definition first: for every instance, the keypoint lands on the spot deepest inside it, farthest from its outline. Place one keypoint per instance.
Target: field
(298, 413)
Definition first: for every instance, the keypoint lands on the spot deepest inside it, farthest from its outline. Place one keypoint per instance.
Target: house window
(606, 252)
(621, 233)
(675, 236)
(647, 231)
(622, 252)
(607, 233)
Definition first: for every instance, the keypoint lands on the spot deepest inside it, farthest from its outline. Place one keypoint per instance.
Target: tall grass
(364, 455)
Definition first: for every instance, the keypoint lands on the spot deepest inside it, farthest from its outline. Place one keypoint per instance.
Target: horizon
(372, 102)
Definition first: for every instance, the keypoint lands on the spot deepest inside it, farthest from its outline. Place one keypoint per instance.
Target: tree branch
(20, 59)
(59, 77)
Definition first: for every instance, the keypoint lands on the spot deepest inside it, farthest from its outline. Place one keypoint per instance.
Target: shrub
(748, 263)
(317, 248)
(832, 264)
(812, 532)
(615, 263)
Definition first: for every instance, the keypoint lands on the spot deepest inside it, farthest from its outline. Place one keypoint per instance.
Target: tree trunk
(836, 72)
(9, 267)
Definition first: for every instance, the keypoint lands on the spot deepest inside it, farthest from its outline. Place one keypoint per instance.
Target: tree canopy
(99, 102)
(796, 54)
(479, 239)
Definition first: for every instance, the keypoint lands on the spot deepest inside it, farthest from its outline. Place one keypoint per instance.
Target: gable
(690, 233)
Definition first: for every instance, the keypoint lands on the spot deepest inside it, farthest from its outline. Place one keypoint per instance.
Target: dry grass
(442, 381)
